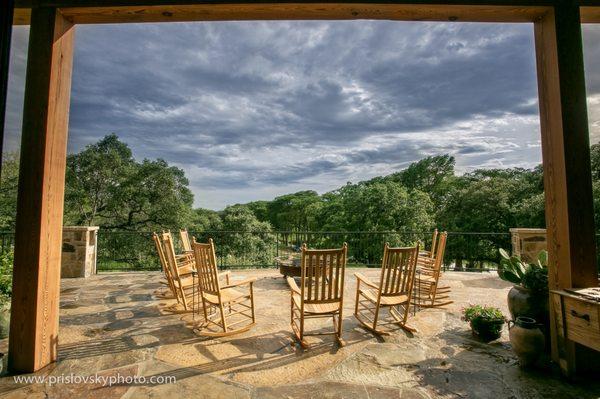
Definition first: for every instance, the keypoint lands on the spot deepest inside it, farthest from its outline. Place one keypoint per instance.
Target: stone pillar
(528, 243)
(79, 251)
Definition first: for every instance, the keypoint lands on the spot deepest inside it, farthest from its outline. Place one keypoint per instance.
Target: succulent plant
(533, 276)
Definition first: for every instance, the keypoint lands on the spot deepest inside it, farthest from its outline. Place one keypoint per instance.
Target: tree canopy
(107, 186)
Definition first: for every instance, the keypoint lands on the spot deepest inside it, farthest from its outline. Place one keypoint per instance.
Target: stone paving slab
(118, 323)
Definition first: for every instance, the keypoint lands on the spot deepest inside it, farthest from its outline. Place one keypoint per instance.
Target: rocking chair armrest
(185, 255)
(185, 270)
(293, 286)
(226, 274)
(242, 282)
(360, 277)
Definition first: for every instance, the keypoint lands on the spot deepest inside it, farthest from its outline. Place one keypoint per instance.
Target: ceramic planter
(486, 329)
(527, 340)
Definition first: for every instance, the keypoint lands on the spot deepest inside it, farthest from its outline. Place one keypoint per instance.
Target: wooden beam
(136, 3)
(38, 236)
(296, 11)
(566, 157)
(6, 22)
(590, 15)
(22, 16)
(304, 12)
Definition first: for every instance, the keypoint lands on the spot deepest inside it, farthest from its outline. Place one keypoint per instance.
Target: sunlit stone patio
(117, 324)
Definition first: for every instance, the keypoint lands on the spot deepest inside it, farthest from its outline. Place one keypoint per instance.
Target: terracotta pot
(523, 303)
(486, 329)
(527, 340)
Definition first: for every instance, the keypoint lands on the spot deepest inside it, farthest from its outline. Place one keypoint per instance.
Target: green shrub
(6, 269)
(482, 312)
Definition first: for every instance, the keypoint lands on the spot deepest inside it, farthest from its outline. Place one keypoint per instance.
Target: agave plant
(514, 270)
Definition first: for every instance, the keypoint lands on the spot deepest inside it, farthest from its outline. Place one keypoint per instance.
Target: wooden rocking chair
(431, 253)
(321, 292)
(393, 291)
(221, 304)
(180, 269)
(164, 264)
(428, 292)
(186, 244)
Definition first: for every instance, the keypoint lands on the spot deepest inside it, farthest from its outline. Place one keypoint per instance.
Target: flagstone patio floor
(116, 324)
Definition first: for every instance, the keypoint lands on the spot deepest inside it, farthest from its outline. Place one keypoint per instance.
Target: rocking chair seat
(316, 308)
(386, 300)
(227, 295)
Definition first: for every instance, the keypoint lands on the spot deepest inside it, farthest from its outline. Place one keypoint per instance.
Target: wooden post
(36, 278)
(566, 158)
(6, 21)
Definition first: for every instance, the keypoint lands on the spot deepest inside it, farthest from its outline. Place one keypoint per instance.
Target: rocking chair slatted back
(439, 258)
(206, 265)
(161, 253)
(185, 241)
(169, 253)
(164, 263)
(322, 279)
(398, 270)
(434, 243)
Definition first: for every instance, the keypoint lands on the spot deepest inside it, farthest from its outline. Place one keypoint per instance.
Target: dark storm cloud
(250, 105)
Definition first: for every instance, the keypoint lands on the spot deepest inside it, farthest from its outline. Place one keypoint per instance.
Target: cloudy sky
(252, 110)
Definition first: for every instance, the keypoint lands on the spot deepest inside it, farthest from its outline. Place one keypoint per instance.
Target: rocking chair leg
(223, 317)
(252, 303)
(357, 297)
(204, 309)
(375, 317)
(338, 335)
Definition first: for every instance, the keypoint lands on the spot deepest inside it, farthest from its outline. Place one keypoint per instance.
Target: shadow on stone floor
(140, 337)
(284, 352)
(495, 369)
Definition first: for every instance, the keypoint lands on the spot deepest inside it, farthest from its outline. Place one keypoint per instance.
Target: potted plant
(529, 295)
(486, 321)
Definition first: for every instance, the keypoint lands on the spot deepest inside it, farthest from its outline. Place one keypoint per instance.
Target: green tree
(9, 183)
(260, 210)
(205, 220)
(289, 212)
(155, 195)
(94, 178)
(432, 175)
(107, 187)
(247, 240)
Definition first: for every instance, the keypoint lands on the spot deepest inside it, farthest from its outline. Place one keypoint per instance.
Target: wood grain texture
(590, 15)
(120, 3)
(294, 11)
(22, 16)
(566, 161)
(38, 236)
(565, 151)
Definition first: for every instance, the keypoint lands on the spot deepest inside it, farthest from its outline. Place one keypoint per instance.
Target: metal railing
(259, 249)
(135, 251)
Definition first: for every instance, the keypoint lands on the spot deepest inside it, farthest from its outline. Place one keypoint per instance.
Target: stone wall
(79, 251)
(527, 243)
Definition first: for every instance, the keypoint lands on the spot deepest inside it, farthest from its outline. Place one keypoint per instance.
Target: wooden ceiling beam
(590, 15)
(294, 11)
(144, 3)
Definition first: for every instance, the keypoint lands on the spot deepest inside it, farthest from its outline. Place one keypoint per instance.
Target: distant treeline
(107, 187)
